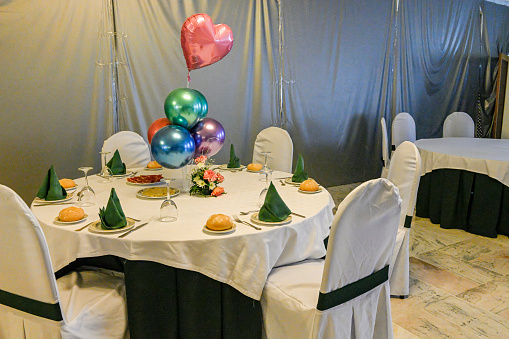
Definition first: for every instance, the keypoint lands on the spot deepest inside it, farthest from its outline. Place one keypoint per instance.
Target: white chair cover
(278, 142)
(403, 129)
(459, 124)
(385, 149)
(85, 304)
(133, 149)
(404, 172)
(361, 243)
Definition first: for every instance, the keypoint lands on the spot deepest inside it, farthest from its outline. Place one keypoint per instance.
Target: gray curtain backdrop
(336, 67)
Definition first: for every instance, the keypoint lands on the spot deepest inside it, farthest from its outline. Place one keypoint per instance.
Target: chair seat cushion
(93, 302)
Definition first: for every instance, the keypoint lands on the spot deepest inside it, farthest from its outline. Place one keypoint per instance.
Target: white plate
(311, 192)
(38, 200)
(57, 221)
(160, 192)
(248, 170)
(95, 227)
(228, 231)
(254, 218)
(153, 169)
(226, 168)
(71, 188)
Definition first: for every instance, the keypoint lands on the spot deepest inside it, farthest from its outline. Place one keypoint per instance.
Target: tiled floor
(459, 283)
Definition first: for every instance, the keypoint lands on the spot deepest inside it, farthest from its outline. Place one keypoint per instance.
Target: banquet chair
(278, 142)
(403, 129)
(385, 149)
(346, 295)
(133, 149)
(404, 172)
(458, 124)
(88, 303)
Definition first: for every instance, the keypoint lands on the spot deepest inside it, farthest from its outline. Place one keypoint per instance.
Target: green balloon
(184, 107)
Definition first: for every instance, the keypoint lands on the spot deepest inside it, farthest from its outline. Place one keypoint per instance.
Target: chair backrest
(459, 124)
(278, 142)
(405, 173)
(362, 235)
(403, 129)
(132, 147)
(27, 281)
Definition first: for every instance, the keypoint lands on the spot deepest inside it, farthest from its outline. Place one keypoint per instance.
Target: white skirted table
(239, 261)
(465, 184)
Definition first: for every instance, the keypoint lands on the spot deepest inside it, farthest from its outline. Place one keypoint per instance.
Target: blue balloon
(172, 147)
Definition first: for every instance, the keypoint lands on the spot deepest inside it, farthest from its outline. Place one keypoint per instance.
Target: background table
(168, 262)
(464, 184)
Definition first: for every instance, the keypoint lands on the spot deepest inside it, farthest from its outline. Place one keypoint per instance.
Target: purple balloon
(208, 135)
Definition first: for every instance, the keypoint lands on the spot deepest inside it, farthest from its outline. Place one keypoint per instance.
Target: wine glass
(168, 210)
(263, 193)
(87, 194)
(106, 173)
(265, 168)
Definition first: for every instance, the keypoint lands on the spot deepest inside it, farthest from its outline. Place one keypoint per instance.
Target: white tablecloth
(484, 156)
(242, 259)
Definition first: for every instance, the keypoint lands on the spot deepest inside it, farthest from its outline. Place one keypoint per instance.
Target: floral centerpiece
(204, 181)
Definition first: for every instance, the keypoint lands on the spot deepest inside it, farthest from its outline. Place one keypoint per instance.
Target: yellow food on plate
(72, 213)
(254, 167)
(153, 164)
(309, 185)
(219, 222)
(67, 183)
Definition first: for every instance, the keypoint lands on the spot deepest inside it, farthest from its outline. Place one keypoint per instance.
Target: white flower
(200, 165)
(201, 183)
(212, 185)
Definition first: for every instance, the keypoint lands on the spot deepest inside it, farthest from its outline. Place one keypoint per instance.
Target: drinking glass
(87, 194)
(168, 210)
(106, 173)
(263, 193)
(265, 168)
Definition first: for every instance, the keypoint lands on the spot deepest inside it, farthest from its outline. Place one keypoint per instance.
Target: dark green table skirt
(165, 302)
(464, 200)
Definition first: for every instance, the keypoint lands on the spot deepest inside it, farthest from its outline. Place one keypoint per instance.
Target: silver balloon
(172, 147)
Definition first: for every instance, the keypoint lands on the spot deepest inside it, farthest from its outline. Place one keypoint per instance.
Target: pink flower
(209, 175)
(220, 178)
(217, 191)
(200, 159)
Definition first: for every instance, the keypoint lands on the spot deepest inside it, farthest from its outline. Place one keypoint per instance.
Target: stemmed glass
(264, 191)
(265, 169)
(168, 210)
(87, 194)
(106, 173)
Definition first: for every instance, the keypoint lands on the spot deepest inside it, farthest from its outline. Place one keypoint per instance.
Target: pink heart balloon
(204, 43)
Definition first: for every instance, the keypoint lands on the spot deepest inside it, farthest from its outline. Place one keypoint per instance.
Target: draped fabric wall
(346, 64)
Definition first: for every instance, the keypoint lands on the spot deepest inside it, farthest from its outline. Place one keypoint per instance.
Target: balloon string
(188, 78)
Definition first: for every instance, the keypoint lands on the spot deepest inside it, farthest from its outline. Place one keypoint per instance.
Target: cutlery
(237, 219)
(282, 182)
(299, 215)
(247, 212)
(82, 228)
(134, 219)
(56, 203)
(132, 230)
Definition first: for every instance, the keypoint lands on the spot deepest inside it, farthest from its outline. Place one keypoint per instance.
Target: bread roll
(309, 185)
(254, 167)
(67, 183)
(72, 213)
(219, 222)
(153, 164)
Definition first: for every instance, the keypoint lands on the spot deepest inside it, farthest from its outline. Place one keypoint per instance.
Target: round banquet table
(465, 184)
(181, 281)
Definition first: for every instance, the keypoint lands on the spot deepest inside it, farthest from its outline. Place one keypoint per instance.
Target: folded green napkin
(274, 208)
(51, 188)
(300, 175)
(112, 217)
(116, 165)
(234, 160)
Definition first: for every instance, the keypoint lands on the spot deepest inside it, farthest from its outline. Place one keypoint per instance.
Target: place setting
(301, 179)
(234, 164)
(51, 191)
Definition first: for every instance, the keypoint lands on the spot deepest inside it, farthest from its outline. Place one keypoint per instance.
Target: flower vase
(186, 180)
